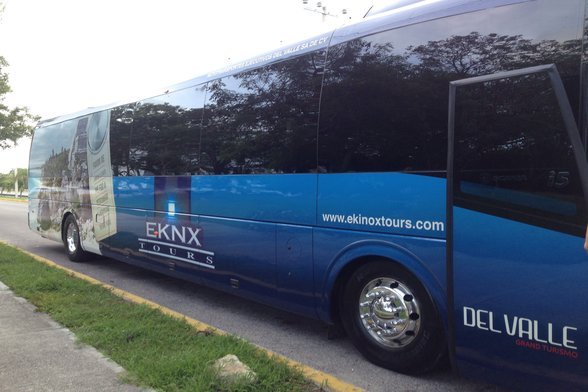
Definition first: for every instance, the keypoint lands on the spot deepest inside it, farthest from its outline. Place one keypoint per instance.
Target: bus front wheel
(391, 319)
(71, 240)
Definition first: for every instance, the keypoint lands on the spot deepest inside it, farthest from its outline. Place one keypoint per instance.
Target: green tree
(15, 122)
(6, 183)
(22, 176)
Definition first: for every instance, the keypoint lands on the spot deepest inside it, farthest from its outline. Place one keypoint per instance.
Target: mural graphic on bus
(70, 168)
(100, 174)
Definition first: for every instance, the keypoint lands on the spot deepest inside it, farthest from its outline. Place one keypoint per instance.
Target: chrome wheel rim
(389, 312)
(70, 237)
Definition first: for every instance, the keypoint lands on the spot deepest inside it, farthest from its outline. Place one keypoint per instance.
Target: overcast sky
(65, 56)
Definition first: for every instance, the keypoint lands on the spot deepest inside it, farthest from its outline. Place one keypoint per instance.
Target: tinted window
(121, 128)
(166, 136)
(513, 157)
(378, 114)
(158, 136)
(385, 95)
(264, 120)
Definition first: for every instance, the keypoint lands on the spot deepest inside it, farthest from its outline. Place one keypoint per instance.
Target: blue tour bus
(417, 177)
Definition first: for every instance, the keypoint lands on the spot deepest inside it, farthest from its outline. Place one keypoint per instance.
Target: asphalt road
(303, 340)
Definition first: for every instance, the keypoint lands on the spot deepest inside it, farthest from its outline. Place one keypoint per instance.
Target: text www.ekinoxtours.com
(383, 221)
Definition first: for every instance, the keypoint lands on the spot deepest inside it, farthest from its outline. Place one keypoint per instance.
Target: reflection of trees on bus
(170, 130)
(385, 109)
(165, 140)
(475, 54)
(382, 109)
(506, 122)
(264, 121)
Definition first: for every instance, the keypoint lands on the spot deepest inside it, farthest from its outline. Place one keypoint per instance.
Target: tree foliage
(7, 181)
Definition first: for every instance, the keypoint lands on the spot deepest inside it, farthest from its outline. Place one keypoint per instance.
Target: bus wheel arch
(70, 235)
(399, 326)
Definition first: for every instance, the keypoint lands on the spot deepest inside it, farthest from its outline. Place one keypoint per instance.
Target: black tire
(413, 345)
(71, 240)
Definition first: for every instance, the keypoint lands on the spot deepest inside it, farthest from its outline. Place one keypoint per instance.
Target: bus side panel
(397, 216)
(244, 251)
(124, 244)
(153, 234)
(156, 217)
(294, 269)
(521, 303)
(286, 198)
(238, 216)
(134, 192)
(393, 203)
(335, 249)
(133, 197)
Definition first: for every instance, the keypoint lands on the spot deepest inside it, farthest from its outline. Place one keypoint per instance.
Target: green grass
(12, 198)
(156, 350)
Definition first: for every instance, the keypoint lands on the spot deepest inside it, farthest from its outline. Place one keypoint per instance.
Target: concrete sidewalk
(37, 354)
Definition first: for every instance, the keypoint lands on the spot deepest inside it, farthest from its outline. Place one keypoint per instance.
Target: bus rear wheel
(391, 319)
(71, 240)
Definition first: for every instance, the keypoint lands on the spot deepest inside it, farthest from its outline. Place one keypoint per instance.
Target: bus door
(517, 267)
